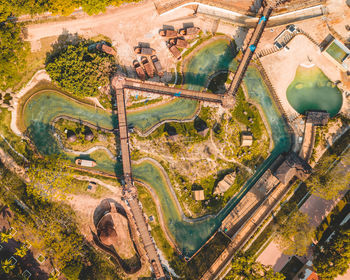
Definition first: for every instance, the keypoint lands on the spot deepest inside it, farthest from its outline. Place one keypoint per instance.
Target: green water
(312, 90)
(47, 105)
(336, 52)
(43, 107)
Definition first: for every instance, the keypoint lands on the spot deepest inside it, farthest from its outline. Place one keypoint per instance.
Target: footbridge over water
(158, 88)
(129, 188)
(248, 54)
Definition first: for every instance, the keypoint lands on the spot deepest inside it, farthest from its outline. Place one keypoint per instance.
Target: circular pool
(312, 90)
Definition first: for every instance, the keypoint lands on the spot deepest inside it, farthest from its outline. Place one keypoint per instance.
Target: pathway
(129, 188)
(223, 156)
(248, 54)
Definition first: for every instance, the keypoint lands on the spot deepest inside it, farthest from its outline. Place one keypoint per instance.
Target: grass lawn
(35, 61)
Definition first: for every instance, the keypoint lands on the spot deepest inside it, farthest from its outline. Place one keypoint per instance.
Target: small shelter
(317, 117)
(198, 194)
(246, 139)
(71, 136)
(225, 183)
(201, 126)
(175, 52)
(88, 135)
(91, 187)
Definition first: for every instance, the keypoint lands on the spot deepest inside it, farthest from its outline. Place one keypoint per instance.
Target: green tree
(13, 52)
(49, 178)
(245, 267)
(332, 258)
(80, 71)
(59, 232)
(21, 251)
(295, 234)
(327, 183)
(7, 266)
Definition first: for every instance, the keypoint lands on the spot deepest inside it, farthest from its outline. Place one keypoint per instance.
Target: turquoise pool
(312, 90)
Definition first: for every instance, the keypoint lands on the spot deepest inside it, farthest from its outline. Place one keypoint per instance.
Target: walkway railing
(248, 54)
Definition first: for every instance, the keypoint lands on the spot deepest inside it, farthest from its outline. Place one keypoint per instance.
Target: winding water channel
(46, 105)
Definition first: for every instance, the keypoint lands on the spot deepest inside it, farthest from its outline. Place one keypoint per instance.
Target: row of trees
(13, 53)
(327, 181)
(78, 70)
(60, 7)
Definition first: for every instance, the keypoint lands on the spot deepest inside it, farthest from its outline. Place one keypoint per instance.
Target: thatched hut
(201, 126)
(198, 195)
(88, 134)
(71, 136)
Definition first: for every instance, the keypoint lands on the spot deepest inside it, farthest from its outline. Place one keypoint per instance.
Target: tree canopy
(295, 234)
(80, 71)
(332, 258)
(245, 267)
(60, 7)
(327, 181)
(13, 52)
(49, 178)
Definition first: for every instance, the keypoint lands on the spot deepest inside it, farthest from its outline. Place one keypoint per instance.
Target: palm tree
(4, 237)
(21, 251)
(7, 266)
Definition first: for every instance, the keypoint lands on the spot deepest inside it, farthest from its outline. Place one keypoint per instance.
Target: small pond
(312, 90)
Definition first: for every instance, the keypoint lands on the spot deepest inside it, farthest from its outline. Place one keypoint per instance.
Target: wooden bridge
(130, 191)
(159, 88)
(248, 54)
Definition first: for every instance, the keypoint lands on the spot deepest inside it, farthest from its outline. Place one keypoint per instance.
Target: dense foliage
(61, 7)
(295, 234)
(245, 267)
(78, 70)
(328, 180)
(332, 258)
(49, 178)
(13, 53)
(51, 228)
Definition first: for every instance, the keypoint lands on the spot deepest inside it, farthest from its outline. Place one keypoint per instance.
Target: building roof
(71, 136)
(225, 183)
(106, 231)
(317, 117)
(292, 166)
(198, 194)
(246, 139)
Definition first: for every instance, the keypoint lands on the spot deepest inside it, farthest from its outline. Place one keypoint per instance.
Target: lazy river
(46, 105)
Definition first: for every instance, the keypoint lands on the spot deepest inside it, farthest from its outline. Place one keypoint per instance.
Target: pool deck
(281, 67)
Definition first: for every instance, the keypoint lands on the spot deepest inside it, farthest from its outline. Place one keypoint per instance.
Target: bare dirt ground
(127, 26)
(339, 16)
